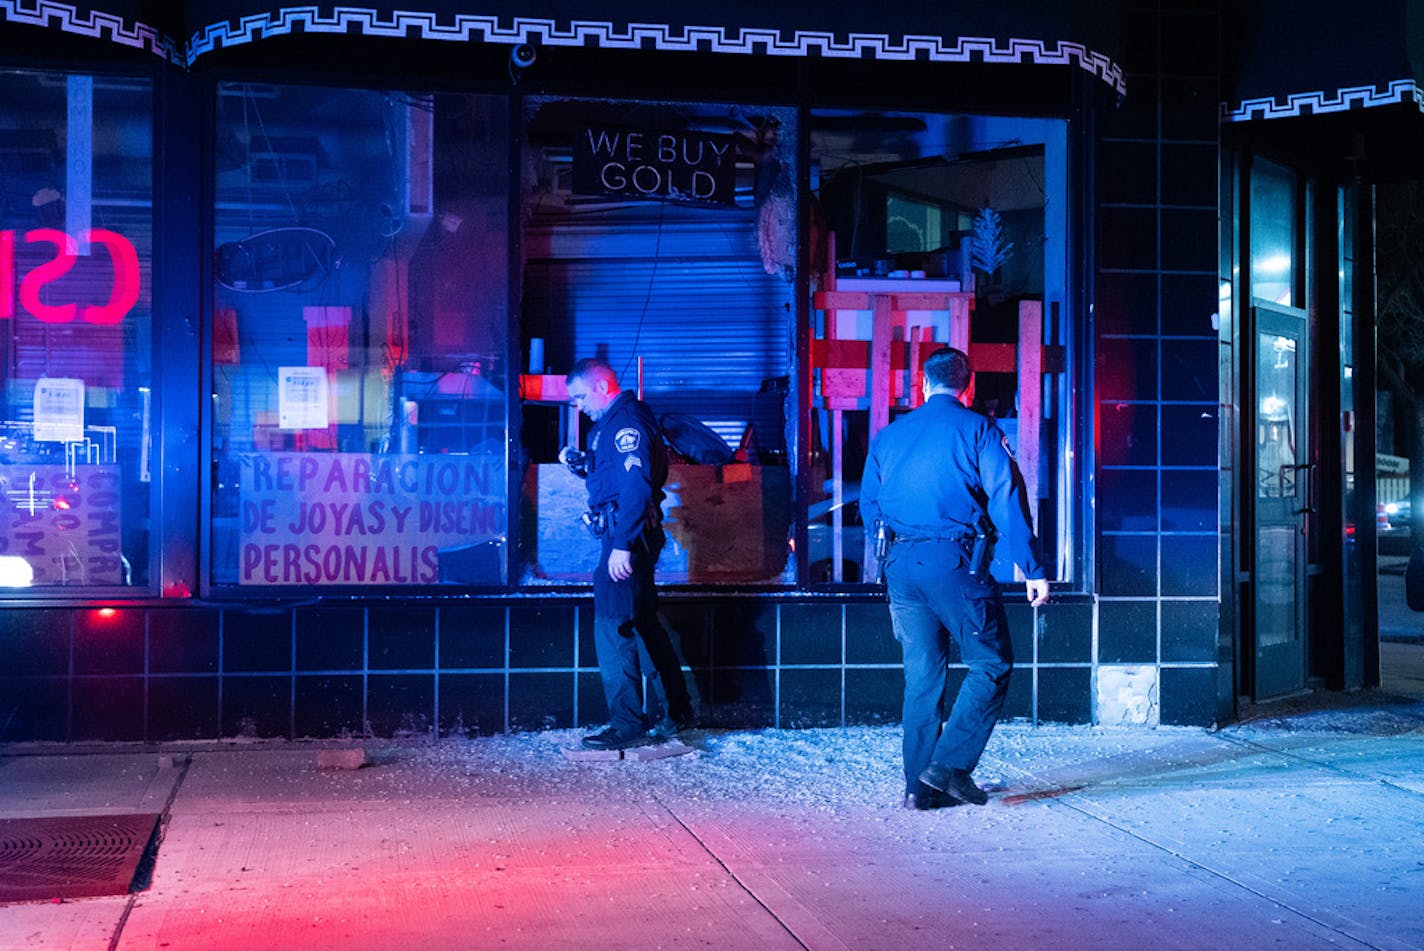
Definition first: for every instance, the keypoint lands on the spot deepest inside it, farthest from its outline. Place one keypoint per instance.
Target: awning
(1083, 36)
(1313, 57)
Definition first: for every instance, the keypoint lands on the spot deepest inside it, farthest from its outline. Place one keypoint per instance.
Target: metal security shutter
(685, 289)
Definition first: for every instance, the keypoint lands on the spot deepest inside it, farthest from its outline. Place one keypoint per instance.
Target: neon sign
(66, 250)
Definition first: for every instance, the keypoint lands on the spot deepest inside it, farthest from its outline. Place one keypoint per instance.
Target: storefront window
(934, 230)
(1273, 232)
(662, 238)
(76, 235)
(360, 385)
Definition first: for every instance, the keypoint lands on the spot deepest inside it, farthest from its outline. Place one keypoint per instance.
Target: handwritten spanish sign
(360, 519)
(666, 165)
(65, 523)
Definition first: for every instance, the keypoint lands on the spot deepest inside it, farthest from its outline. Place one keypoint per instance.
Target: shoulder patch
(628, 439)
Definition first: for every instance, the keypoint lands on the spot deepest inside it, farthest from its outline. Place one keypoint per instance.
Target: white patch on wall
(1127, 695)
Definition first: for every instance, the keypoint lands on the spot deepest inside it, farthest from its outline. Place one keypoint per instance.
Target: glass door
(1283, 497)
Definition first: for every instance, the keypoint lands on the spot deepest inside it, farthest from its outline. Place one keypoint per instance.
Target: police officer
(942, 479)
(625, 467)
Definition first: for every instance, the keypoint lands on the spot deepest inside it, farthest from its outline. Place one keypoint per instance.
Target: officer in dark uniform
(942, 480)
(625, 467)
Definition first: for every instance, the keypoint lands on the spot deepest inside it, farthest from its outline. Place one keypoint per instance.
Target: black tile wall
(687, 625)
(1189, 630)
(256, 641)
(1126, 303)
(1019, 615)
(471, 704)
(1184, 181)
(593, 707)
(810, 698)
(1127, 238)
(331, 638)
(259, 705)
(328, 705)
(38, 708)
(539, 701)
(108, 708)
(873, 695)
(744, 634)
(400, 704)
(541, 637)
(811, 634)
(183, 641)
(742, 698)
(1189, 108)
(472, 637)
(1127, 368)
(1127, 500)
(1189, 500)
(1189, 239)
(1127, 565)
(1189, 302)
(401, 638)
(182, 708)
(1129, 434)
(870, 637)
(1188, 696)
(1194, 435)
(108, 641)
(1064, 695)
(588, 644)
(1018, 705)
(1189, 566)
(1127, 172)
(1066, 634)
(1189, 370)
(1127, 632)
(34, 642)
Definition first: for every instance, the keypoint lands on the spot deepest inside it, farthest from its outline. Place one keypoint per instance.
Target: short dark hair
(590, 368)
(950, 368)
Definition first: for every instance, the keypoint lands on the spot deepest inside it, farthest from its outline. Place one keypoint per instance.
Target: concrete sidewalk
(1300, 831)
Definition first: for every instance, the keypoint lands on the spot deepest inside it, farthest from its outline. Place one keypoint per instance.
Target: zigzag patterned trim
(403, 24)
(1315, 103)
(66, 17)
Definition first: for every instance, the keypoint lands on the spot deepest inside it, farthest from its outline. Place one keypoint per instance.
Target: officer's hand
(620, 564)
(564, 454)
(1037, 591)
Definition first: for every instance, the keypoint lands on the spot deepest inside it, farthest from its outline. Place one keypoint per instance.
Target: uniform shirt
(933, 472)
(627, 465)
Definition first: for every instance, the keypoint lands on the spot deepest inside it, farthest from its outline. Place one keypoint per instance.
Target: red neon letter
(7, 275)
(49, 271)
(125, 293)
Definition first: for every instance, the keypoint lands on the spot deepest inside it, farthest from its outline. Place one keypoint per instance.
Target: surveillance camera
(523, 55)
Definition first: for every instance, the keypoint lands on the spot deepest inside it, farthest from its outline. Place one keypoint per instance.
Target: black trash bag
(1414, 580)
(693, 441)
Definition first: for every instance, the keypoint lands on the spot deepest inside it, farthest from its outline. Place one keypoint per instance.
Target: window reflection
(359, 377)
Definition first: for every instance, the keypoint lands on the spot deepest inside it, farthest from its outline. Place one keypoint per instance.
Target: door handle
(1309, 495)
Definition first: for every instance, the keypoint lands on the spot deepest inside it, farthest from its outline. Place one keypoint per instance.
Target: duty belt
(961, 537)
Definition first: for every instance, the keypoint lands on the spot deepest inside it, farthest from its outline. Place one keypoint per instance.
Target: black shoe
(611, 739)
(954, 783)
(669, 727)
(925, 798)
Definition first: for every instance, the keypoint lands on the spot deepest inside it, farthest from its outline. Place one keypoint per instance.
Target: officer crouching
(943, 484)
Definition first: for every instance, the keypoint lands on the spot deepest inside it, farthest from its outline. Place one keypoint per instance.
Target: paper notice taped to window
(59, 410)
(302, 398)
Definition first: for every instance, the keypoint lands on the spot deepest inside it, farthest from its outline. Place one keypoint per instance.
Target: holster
(981, 550)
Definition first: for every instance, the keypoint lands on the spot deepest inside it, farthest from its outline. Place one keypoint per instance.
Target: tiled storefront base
(160, 673)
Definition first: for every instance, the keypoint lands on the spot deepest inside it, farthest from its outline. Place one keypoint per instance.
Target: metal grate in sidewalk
(71, 856)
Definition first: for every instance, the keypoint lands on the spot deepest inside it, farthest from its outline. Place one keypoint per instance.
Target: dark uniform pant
(632, 644)
(933, 597)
